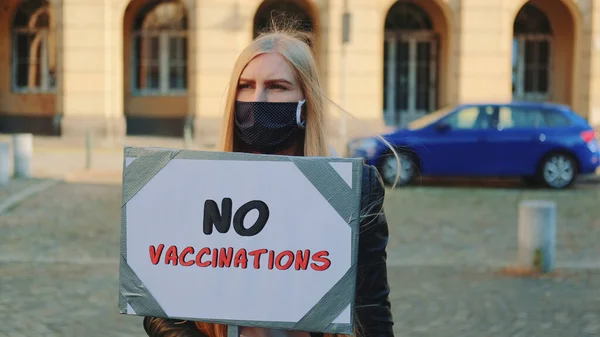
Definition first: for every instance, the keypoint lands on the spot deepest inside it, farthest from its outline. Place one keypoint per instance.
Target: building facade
(150, 67)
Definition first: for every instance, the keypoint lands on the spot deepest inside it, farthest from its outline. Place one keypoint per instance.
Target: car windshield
(429, 118)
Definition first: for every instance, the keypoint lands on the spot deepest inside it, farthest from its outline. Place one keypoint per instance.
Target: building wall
(93, 58)
(589, 69)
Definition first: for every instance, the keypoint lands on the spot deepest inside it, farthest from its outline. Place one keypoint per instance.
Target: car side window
(473, 117)
(519, 118)
(553, 119)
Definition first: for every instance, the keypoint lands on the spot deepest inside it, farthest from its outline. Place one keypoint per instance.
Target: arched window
(406, 16)
(531, 54)
(274, 9)
(531, 20)
(410, 64)
(33, 48)
(160, 48)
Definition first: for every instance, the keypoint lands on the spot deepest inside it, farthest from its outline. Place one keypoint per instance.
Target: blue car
(539, 142)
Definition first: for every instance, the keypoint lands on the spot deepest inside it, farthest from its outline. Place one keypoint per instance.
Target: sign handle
(233, 331)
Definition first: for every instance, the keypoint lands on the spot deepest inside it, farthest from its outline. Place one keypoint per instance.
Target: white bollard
(4, 164)
(187, 136)
(89, 146)
(537, 235)
(22, 152)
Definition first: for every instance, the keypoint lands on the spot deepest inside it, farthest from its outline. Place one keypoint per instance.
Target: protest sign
(239, 239)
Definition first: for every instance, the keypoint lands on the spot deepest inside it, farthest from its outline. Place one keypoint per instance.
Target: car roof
(523, 104)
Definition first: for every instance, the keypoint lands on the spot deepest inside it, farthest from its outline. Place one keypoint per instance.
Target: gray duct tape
(233, 331)
(228, 156)
(136, 294)
(329, 306)
(122, 301)
(123, 241)
(137, 152)
(143, 169)
(124, 231)
(331, 186)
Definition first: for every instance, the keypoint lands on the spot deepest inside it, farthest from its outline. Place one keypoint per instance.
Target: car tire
(388, 168)
(557, 170)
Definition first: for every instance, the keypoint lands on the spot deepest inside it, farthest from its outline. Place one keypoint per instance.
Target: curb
(590, 180)
(487, 265)
(18, 198)
(50, 260)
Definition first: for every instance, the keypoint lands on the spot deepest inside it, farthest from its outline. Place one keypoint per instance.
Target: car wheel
(558, 170)
(389, 170)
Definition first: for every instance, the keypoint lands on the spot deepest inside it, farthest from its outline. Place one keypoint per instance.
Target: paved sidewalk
(66, 157)
(59, 266)
(103, 143)
(58, 157)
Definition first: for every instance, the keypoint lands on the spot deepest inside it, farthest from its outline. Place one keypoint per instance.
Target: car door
(518, 141)
(458, 147)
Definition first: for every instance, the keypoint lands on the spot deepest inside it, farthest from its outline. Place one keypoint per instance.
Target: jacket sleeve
(163, 327)
(372, 293)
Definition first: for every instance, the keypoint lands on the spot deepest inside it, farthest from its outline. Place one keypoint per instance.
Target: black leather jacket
(372, 294)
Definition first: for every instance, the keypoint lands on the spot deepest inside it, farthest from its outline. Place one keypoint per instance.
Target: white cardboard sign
(245, 240)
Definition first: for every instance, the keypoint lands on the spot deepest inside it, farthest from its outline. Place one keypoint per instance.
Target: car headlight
(366, 147)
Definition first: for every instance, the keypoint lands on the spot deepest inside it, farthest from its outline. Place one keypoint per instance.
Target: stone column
(590, 61)
(192, 64)
(484, 44)
(223, 28)
(89, 90)
(356, 89)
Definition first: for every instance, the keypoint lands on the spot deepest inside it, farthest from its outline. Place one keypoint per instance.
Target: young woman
(275, 106)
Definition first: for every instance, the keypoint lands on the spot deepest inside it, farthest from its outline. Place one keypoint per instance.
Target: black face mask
(268, 127)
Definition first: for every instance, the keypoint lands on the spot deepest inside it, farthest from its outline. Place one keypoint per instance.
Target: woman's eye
(244, 86)
(278, 87)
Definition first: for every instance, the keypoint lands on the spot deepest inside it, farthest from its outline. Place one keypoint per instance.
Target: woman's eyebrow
(279, 80)
(276, 80)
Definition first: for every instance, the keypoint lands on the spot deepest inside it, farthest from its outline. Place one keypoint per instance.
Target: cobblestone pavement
(464, 302)
(17, 185)
(59, 270)
(434, 225)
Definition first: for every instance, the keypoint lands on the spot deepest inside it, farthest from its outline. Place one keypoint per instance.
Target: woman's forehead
(268, 66)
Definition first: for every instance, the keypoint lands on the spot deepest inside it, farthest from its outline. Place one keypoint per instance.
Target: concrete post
(22, 152)
(89, 144)
(187, 136)
(537, 235)
(4, 164)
